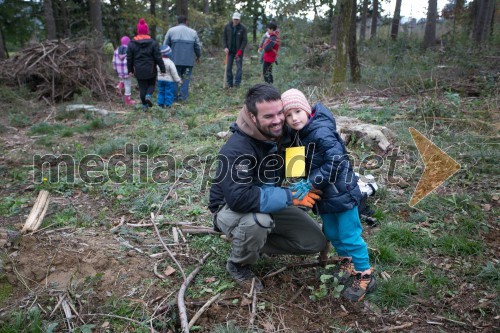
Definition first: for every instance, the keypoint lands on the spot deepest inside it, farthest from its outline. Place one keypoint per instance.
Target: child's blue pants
(344, 231)
(166, 92)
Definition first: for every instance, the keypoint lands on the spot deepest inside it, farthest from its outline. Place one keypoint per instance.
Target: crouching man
(248, 203)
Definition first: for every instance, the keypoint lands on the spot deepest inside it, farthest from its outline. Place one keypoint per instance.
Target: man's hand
(308, 201)
(226, 50)
(198, 61)
(301, 188)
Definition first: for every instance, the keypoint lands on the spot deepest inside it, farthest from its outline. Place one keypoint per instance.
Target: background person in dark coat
(143, 55)
(234, 42)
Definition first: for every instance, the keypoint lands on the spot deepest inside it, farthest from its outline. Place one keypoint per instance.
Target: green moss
(5, 289)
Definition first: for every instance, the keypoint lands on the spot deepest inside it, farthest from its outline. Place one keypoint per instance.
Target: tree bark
(152, 11)
(430, 25)
(96, 19)
(364, 11)
(50, 23)
(353, 48)
(181, 7)
(395, 20)
(339, 70)
(483, 17)
(373, 32)
(206, 7)
(3, 52)
(335, 30)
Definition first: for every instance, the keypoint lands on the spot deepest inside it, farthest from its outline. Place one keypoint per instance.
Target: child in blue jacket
(329, 170)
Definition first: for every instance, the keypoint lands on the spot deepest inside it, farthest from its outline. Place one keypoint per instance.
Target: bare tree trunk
(395, 20)
(353, 48)
(430, 25)
(362, 30)
(206, 6)
(164, 10)
(339, 70)
(335, 29)
(152, 11)
(181, 7)
(373, 32)
(483, 20)
(3, 52)
(50, 23)
(96, 19)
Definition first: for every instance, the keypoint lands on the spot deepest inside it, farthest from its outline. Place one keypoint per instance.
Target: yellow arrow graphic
(438, 166)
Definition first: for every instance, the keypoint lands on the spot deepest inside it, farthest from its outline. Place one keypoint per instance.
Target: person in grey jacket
(186, 48)
(234, 42)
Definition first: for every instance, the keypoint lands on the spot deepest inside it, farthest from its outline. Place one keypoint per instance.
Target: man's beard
(268, 133)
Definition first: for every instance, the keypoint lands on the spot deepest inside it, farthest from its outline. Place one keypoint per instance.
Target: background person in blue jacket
(234, 42)
(186, 48)
(248, 203)
(329, 170)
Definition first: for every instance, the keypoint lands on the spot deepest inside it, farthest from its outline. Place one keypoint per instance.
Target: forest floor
(97, 264)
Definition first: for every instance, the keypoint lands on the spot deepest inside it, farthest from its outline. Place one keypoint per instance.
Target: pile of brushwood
(58, 69)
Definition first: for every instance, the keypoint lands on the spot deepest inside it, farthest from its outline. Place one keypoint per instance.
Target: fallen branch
(392, 328)
(37, 213)
(203, 309)
(180, 296)
(200, 231)
(254, 310)
(307, 264)
(452, 321)
(153, 221)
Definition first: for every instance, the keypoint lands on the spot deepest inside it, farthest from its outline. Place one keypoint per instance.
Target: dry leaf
(268, 327)
(486, 207)
(245, 301)
(210, 279)
(105, 324)
(169, 271)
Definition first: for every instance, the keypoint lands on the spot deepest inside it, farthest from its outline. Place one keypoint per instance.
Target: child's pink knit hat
(295, 99)
(142, 27)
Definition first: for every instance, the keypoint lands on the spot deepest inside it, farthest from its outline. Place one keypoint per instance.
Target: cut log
(379, 138)
(37, 212)
(84, 107)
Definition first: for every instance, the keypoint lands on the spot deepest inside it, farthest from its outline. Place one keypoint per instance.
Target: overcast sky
(413, 8)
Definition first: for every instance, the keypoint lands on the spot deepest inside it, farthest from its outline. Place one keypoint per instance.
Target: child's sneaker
(364, 283)
(346, 270)
(149, 101)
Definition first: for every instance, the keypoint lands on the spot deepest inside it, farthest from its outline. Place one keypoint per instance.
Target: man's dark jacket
(249, 174)
(241, 37)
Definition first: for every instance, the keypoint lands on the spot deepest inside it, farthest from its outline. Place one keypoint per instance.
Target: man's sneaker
(149, 102)
(243, 275)
(346, 269)
(364, 283)
(145, 107)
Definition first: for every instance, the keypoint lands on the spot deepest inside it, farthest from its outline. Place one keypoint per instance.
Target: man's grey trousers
(289, 231)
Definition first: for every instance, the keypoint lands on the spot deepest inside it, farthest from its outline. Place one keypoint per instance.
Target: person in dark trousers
(248, 204)
(143, 55)
(234, 42)
(270, 46)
